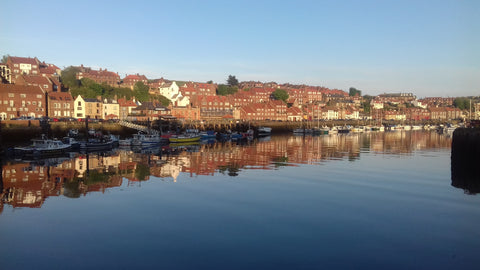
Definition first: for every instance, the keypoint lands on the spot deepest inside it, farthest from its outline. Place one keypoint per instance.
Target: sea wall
(465, 159)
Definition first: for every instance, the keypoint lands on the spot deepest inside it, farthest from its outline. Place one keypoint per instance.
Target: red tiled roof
(23, 60)
(60, 96)
(20, 89)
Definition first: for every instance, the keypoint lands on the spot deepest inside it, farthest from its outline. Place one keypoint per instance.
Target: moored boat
(143, 139)
(182, 138)
(264, 131)
(41, 148)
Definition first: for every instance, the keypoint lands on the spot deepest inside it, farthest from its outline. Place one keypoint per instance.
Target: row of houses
(32, 88)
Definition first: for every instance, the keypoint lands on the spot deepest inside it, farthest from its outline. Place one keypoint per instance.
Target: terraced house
(88, 107)
(60, 105)
(21, 100)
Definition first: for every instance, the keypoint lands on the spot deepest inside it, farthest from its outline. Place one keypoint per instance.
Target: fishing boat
(183, 138)
(97, 144)
(42, 147)
(144, 139)
(264, 131)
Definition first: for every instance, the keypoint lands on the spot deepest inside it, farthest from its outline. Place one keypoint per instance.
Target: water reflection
(29, 184)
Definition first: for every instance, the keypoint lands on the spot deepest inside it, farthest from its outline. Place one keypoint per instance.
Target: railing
(136, 126)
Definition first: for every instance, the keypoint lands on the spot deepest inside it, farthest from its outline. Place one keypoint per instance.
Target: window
(79, 103)
(11, 103)
(39, 96)
(39, 104)
(11, 95)
(23, 95)
(34, 103)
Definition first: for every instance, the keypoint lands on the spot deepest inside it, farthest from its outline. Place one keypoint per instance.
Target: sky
(429, 48)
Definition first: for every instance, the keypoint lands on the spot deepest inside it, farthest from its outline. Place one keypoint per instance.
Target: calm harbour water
(357, 201)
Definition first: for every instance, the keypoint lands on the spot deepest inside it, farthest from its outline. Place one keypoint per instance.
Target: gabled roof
(60, 96)
(23, 60)
(38, 80)
(13, 88)
(126, 103)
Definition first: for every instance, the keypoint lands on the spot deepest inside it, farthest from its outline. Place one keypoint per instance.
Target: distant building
(130, 80)
(23, 65)
(99, 76)
(5, 74)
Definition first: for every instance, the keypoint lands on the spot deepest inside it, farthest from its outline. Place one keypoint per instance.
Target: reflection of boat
(264, 131)
(343, 129)
(302, 131)
(184, 138)
(42, 147)
(97, 144)
(125, 142)
(209, 134)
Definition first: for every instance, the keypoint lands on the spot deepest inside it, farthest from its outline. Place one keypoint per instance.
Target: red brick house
(99, 76)
(126, 107)
(149, 111)
(188, 113)
(46, 84)
(213, 106)
(21, 100)
(23, 65)
(130, 80)
(60, 104)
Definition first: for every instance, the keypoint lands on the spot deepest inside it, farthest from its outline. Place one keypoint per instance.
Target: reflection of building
(29, 184)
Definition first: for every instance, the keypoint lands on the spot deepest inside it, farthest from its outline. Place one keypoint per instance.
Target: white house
(111, 109)
(172, 92)
(79, 107)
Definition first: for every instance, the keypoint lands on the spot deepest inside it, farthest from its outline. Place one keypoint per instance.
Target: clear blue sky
(430, 48)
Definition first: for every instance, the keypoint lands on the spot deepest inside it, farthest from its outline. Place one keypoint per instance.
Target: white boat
(333, 130)
(264, 131)
(417, 127)
(42, 147)
(143, 139)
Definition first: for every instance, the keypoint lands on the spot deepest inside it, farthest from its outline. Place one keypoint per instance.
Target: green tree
(5, 58)
(140, 91)
(280, 94)
(142, 172)
(462, 103)
(354, 92)
(69, 77)
(224, 90)
(232, 80)
(162, 99)
(366, 107)
(210, 82)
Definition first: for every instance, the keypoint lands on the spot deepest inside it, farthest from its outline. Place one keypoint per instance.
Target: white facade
(172, 92)
(111, 108)
(355, 115)
(79, 107)
(417, 103)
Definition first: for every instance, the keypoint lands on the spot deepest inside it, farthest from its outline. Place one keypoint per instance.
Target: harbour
(383, 198)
